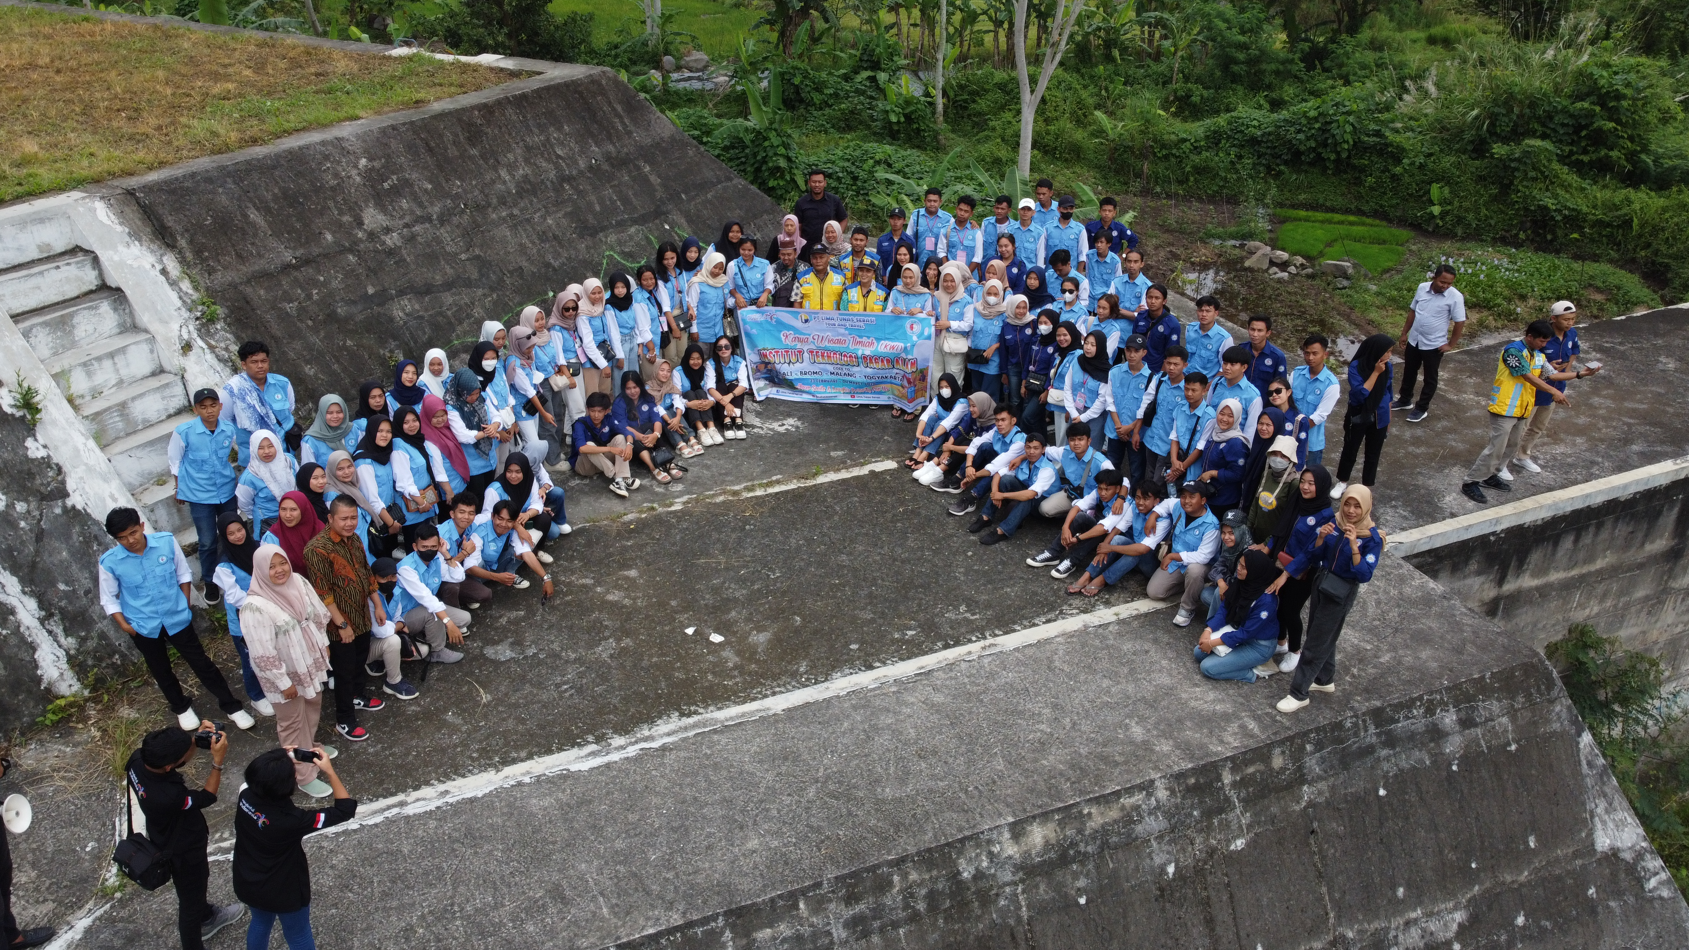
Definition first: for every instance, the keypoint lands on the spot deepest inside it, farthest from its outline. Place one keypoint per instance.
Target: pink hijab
(796, 235)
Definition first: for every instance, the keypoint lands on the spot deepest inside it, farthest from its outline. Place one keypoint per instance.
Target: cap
(1028, 203)
(1235, 518)
(1136, 342)
(1194, 487)
(1065, 201)
(202, 395)
(865, 264)
(1562, 307)
(384, 567)
(896, 213)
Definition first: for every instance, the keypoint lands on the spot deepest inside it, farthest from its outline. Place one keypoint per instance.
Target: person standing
(1205, 339)
(931, 228)
(1561, 351)
(9, 930)
(256, 398)
(1315, 390)
(338, 569)
(1435, 320)
(1132, 283)
(144, 589)
(176, 826)
(815, 207)
(286, 620)
(1367, 421)
(964, 243)
(1118, 234)
(1064, 233)
(271, 875)
(1266, 361)
(205, 479)
(1519, 376)
(1346, 552)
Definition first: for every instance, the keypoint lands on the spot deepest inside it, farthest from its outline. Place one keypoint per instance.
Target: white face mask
(945, 392)
(992, 299)
(1277, 463)
(489, 365)
(1070, 296)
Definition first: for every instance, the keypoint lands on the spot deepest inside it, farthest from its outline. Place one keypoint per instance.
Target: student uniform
(1101, 271)
(416, 599)
(1197, 541)
(1125, 398)
(1021, 474)
(1316, 396)
(1205, 347)
(1266, 365)
(931, 234)
(986, 333)
(1053, 280)
(1087, 399)
(1159, 334)
(1029, 242)
(710, 303)
(1327, 613)
(965, 244)
(494, 552)
(234, 583)
(750, 281)
(1228, 459)
(1076, 476)
(1069, 237)
(1130, 290)
(934, 418)
(1293, 556)
(1250, 646)
(251, 409)
(199, 459)
(1247, 396)
(737, 372)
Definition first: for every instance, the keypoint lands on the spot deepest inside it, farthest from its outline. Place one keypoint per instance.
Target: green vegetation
(1622, 698)
(708, 25)
(1372, 244)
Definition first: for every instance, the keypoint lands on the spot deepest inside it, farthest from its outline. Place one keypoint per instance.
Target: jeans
(205, 523)
(1009, 514)
(1316, 457)
(248, 678)
(1011, 392)
(1120, 565)
(554, 505)
(991, 384)
(1033, 416)
(927, 428)
(1237, 665)
(1127, 459)
(1412, 359)
(295, 927)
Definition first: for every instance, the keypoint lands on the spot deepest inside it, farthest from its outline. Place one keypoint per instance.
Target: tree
(653, 10)
(786, 16)
(1066, 14)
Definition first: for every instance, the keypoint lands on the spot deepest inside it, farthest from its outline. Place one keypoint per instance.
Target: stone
(1293, 270)
(1279, 275)
(695, 61)
(1299, 261)
(1337, 268)
(1258, 259)
(668, 64)
(1254, 247)
(1343, 283)
(1279, 257)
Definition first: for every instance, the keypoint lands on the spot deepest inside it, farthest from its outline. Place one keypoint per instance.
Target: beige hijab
(1362, 494)
(960, 273)
(706, 270)
(588, 308)
(572, 292)
(989, 310)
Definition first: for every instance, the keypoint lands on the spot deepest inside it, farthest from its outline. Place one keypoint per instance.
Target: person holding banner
(750, 277)
(985, 364)
(819, 285)
(727, 378)
(706, 300)
(911, 299)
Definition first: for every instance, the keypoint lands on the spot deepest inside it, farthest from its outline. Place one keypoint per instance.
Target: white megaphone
(16, 814)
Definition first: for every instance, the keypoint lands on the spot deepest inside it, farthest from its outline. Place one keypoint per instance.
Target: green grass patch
(718, 28)
(1317, 236)
(1323, 217)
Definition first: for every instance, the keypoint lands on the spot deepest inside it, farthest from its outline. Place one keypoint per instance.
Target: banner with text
(838, 356)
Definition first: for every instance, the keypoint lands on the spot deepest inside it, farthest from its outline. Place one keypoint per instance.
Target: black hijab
(694, 377)
(522, 488)
(417, 441)
(242, 555)
(367, 449)
(681, 263)
(955, 392)
(476, 357)
(1037, 300)
(1302, 507)
(1255, 465)
(722, 247)
(1073, 334)
(364, 389)
(1095, 367)
(624, 300)
(302, 481)
(1242, 594)
(1372, 350)
(1047, 339)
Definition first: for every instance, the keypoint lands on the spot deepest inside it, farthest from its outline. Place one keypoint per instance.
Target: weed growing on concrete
(26, 399)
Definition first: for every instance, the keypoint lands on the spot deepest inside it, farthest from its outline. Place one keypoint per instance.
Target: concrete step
(85, 373)
(30, 237)
(133, 407)
(140, 456)
(45, 282)
(73, 323)
(157, 504)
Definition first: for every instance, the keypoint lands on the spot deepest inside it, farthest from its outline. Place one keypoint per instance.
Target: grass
(83, 100)
(1317, 236)
(717, 27)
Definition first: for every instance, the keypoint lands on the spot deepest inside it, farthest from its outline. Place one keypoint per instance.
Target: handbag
(1333, 585)
(137, 857)
(954, 343)
(1037, 381)
(1058, 397)
(976, 355)
(429, 497)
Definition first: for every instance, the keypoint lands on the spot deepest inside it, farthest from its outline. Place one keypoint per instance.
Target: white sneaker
(738, 432)
(1265, 670)
(1289, 662)
(520, 584)
(473, 605)
(242, 719)
(1529, 465)
(1338, 489)
(1290, 704)
(543, 557)
(618, 488)
(565, 529)
(188, 720)
(719, 438)
(1504, 474)
(263, 706)
(1281, 649)
(1183, 619)
(1327, 688)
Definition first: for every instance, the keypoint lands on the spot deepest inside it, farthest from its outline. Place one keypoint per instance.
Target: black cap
(1065, 201)
(1195, 487)
(1236, 518)
(384, 567)
(202, 395)
(1136, 342)
(896, 213)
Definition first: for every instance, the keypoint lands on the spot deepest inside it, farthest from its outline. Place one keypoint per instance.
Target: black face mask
(387, 588)
(1067, 215)
(427, 556)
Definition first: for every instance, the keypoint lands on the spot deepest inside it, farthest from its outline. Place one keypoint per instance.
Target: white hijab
(436, 384)
(1235, 432)
(987, 309)
(276, 474)
(588, 308)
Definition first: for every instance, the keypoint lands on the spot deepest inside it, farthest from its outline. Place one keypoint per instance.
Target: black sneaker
(1400, 404)
(376, 667)
(370, 703)
(978, 525)
(963, 507)
(1064, 570)
(1418, 415)
(993, 537)
(948, 487)
(1042, 559)
(352, 731)
(1472, 491)
(1495, 482)
(213, 595)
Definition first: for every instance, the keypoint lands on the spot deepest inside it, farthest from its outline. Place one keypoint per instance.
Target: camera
(305, 755)
(203, 737)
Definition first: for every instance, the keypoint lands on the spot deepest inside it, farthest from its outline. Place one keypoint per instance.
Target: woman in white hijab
(436, 370)
(600, 339)
(707, 298)
(950, 324)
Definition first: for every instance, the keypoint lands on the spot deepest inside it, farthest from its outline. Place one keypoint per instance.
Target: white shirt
(1432, 315)
(743, 378)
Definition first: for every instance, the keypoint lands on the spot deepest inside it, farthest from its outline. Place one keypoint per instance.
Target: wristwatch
(342, 625)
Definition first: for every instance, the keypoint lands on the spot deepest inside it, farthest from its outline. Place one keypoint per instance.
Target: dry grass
(83, 99)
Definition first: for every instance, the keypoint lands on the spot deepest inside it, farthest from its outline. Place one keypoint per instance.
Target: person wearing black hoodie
(1368, 420)
(271, 874)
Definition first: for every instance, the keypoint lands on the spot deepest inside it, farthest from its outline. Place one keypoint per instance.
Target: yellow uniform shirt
(1512, 395)
(872, 301)
(819, 291)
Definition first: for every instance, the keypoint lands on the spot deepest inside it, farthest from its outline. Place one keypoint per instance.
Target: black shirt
(270, 869)
(172, 809)
(813, 215)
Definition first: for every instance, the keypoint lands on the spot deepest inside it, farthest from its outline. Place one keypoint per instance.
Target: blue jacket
(1358, 391)
(1301, 540)
(1228, 459)
(1337, 558)
(1018, 343)
(1261, 624)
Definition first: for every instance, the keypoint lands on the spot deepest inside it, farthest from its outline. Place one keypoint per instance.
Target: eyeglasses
(724, 348)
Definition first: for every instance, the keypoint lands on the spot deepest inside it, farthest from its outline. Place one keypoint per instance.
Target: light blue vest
(403, 602)
(148, 593)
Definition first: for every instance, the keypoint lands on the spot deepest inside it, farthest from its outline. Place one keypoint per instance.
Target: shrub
(508, 27)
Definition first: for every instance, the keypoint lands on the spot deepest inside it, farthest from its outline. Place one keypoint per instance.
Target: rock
(722, 81)
(695, 61)
(1299, 261)
(668, 64)
(1343, 283)
(1279, 257)
(1258, 259)
(1254, 247)
(1292, 270)
(1279, 275)
(1338, 269)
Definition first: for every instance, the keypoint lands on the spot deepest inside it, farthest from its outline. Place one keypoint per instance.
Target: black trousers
(9, 931)
(1319, 655)
(191, 874)
(1083, 549)
(1412, 360)
(156, 651)
(1353, 437)
(1292, 597)
(347, 659)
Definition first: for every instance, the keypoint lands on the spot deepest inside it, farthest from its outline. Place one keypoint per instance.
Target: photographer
(175, 825)
(271, 873)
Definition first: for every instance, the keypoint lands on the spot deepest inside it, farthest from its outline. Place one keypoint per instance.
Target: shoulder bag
(136, 856)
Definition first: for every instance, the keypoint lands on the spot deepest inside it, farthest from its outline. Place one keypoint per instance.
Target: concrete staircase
(108, 368)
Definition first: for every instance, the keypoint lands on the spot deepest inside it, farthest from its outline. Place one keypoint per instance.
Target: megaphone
(16, 814)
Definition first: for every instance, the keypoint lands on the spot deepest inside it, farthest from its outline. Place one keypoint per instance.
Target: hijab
(1037, 297)
(574, 293)
(349, 489)
(903, 282)
(418, 441)
(1372, 350)
(1223, 435)
(441, 437)
(302, 482)
(519, 490)
(1097, 366)
(694, 377)
(473, 414)
(333, 436)
(367, 449)
(407, 395)
(706, 271)
(945, 405)
(294, 598)
(1011, 311)
(672, 387)
(621, 295)
(944, 300)
(680, 261)
(1048, 338)
(1241, 538)
(529, 317)
(238, 555)
(1362, 494)
(1075, 341)
(1255, 465)
(721, 246)
(986, 309)
(294, 539)
(588, 308)
(277, 473)
(489, 331)
(983, 408)
(364, 389)
(522, 344)
(1261, 570)
(1300, 507)
(430, 382)
(797, 238)
(837, 246)
(479, 355)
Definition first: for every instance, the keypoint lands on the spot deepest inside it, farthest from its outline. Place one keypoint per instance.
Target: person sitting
(416, 601)
(539, 503)
(727, 378)
(1077, 466)
(941, 417)
(269, 475)
(498, 546)
(233, 576)
(634, 414)
(700, 408)
(1082, 527)
(456, 544)
(988, 454)
(1225, 459)
(1292, 537)
(1195, 534)
(1238, 638)
(1015, 491)
(599, 448)
(387, 649)
(1129, 542)
(1234, 540)
(672, 408)
(950, 458)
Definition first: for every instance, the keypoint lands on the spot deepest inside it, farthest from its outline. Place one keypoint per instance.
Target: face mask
(489, 365)
(1277, 463)
(1070, 296)
(993, 299)
(387, 589)
(1066, 215)
(427, 555)
(945, 392)
(1045, 329)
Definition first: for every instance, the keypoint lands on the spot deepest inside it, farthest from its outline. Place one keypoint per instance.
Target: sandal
(1091, 591)
(1077, 588)
(896, 413)
(661, 477)
(675, 472)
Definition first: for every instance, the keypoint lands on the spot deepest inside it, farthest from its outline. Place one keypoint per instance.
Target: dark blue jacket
(1018, 343)
(1358, 392)
(1228, 458)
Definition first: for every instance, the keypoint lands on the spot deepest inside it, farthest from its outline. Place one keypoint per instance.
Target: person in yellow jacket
(819, 285)
(1519, 376)
(866, 295)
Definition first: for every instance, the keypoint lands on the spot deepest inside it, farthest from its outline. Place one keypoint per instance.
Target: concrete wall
(355, 244)
(1609, 553)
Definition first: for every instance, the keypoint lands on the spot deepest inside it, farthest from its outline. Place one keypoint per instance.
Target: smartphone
(305, 755)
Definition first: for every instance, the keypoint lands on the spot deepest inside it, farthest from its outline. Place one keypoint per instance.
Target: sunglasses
(1275, 392)
(570, 309)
